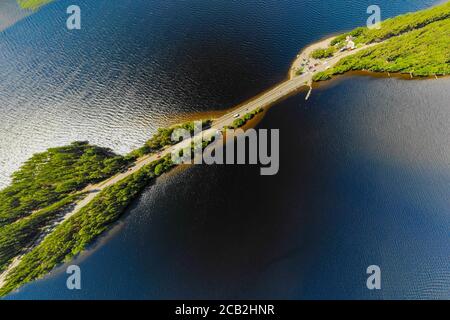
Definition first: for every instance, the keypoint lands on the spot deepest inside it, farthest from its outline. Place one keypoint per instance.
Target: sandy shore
(305, 55)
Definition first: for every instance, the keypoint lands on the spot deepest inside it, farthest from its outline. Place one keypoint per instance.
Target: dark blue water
(364, 172)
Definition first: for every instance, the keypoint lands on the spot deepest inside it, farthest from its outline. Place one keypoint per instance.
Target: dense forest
(322, 53)
(239, 122)
(50, 176)
(416, 43)
(397, 25)
(73, 235)
(163, 138)
(44, 187)
(422, 52)
(17, 236)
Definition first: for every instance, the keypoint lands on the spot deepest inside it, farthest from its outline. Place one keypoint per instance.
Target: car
(236, 115)
(158, 156)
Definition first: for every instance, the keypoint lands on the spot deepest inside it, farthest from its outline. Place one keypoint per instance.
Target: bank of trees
(72, 236)
(421, 52)
(32, 4)
(50, 176)
(239, 122)
(45, 187)
(416, 43)
(322, 53)
(18, 235)
(398, 25)
(49, 184)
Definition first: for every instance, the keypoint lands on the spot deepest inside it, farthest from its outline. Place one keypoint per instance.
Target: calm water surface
(365, 163)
